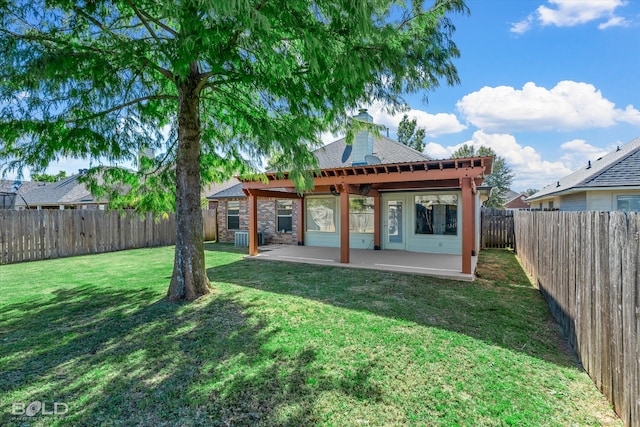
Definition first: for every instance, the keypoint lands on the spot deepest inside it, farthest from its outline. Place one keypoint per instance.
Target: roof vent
(589, 164)
(599, 158)
(618, 148)
(370, 159)
(558, 184)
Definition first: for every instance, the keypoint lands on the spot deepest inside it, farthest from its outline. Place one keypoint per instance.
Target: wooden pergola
(370, 180)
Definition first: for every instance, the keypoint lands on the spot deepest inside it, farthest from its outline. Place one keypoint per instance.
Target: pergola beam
(391, 177)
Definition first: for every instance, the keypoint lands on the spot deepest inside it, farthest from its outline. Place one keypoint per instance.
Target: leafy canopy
(501, 176)
(105, 79)
(410, 134)
(43, 177)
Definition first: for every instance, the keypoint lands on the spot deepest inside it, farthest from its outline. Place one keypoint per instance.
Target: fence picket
(587, 267)
(497, 230)
(35, 235)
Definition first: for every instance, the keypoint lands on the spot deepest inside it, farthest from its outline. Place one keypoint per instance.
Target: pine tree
(215, 85)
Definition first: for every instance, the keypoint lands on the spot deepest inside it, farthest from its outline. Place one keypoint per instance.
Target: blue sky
(548, 84)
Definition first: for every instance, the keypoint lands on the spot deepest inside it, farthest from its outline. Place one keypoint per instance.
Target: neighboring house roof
(224, 190)
(232, 192)
(26, 186)
(510, 195)
(620, 168)
(9, 197)
(68, 191)
(337, 154)
(517, 202)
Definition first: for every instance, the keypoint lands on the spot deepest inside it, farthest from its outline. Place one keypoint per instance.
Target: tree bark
(189, 280)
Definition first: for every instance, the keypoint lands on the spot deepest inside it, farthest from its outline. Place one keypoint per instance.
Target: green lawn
(283, 344)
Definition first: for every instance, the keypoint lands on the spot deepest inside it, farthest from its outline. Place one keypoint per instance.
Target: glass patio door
(394, 224)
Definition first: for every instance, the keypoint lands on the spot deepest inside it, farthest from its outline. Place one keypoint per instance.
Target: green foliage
(531, 191)
(106, 79)
(409, 134)
(43, 177)
(500, 178)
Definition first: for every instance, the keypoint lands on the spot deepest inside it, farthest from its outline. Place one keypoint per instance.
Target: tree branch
(142, 19)
(159, 24)
(121, 106)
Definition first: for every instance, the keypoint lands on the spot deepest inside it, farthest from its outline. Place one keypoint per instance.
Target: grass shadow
(500, 307)
(133, 358)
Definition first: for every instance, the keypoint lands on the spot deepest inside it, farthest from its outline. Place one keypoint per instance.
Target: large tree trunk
(189, 280)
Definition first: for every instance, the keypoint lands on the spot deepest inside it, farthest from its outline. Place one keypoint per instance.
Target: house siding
(573, 202)
(266, 222)
(590, 200)
(606, 200)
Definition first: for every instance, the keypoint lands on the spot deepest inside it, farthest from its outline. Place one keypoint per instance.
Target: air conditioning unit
(242, 238)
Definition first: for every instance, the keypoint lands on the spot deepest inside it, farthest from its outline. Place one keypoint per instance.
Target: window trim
(618, 196)
(278, 216)
(236, 215)
(457, 213)
(353, 197)
(307, 216)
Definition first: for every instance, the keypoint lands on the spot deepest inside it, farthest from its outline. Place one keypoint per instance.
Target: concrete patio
(437, 265)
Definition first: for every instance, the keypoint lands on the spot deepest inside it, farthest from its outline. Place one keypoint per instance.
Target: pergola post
(253, 224)
(468, 224)
(344, 225)
(377, 215)
(300, 221)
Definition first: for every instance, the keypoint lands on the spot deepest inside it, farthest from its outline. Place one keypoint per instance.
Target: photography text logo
(37, 407)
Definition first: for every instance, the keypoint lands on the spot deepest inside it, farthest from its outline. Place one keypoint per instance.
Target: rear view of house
(374, 194)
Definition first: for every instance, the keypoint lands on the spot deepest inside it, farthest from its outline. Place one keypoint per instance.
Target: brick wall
(266, 221)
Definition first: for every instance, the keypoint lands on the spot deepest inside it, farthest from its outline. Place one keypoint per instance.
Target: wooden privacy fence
(586, 266)
(497, 230)
(31, 235)
(210, 219)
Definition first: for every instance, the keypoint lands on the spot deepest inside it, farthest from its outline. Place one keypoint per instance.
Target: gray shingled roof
(333, 155)
(620, 168)
(6, 189)
(232, 192)
(510, 195)
(6, 184)
(64, 192)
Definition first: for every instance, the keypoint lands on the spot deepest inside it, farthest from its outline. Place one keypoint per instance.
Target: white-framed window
(233, 215)
(360, 214)
(436, 214)
(284, 216)
(628, 203)
(321, 214)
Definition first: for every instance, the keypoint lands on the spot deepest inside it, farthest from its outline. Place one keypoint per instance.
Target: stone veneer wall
(266, 221)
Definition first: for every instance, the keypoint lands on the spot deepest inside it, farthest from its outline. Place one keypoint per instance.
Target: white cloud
(615, 21)
(568, 106)
(577, 152)
(530, 169)
(434, 124)
(437, 151)
(522, 26)
(569, 13)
